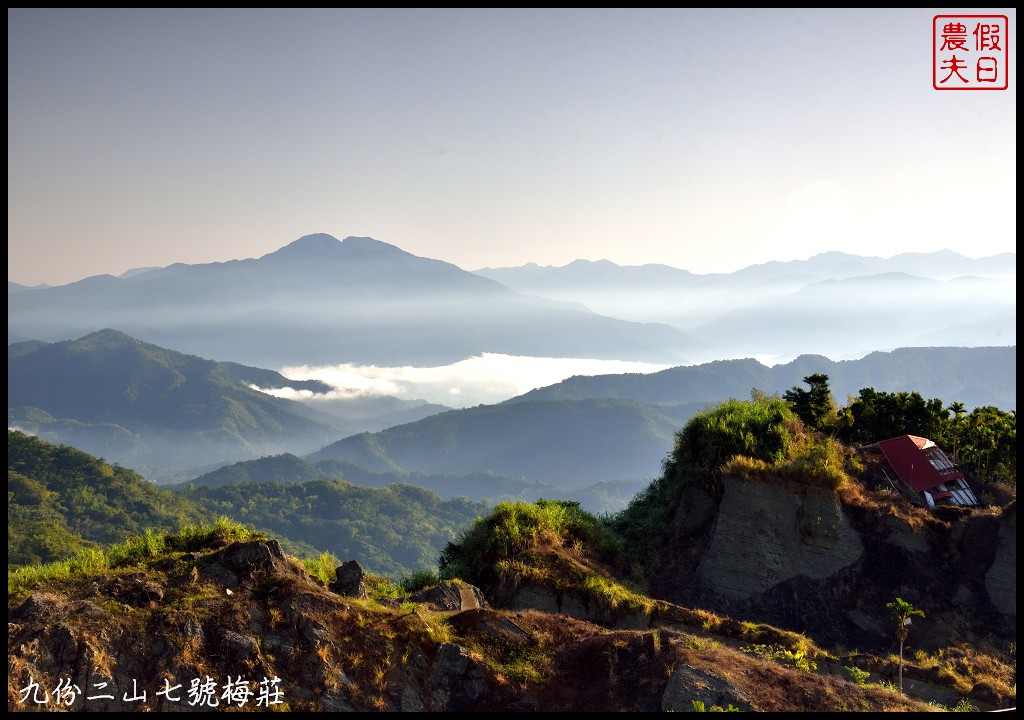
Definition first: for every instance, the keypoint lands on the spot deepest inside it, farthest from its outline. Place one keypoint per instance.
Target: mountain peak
(321, 245)
(106, 336)
(309, 245)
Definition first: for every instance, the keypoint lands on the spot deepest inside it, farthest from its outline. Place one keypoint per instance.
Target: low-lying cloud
(482, 379)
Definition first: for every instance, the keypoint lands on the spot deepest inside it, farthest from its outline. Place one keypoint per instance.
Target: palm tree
(902, 611)
(958, 410)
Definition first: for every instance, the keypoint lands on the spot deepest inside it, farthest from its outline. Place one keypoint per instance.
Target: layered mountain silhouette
(600, 497)
(320, 300)
(834, 304)
(563, 443)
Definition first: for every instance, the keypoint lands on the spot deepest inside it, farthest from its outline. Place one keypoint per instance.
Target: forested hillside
(392, 531)
(60, 500)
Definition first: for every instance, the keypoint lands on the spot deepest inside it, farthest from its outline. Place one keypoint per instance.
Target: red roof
(905, 454)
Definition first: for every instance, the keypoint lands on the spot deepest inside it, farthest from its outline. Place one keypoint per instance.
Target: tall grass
(134, 551)
(322, 567)
(817, 463)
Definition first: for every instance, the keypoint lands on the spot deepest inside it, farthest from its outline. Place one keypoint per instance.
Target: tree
(958, 410)
(814, 406)
(879, 415)
(902, 611)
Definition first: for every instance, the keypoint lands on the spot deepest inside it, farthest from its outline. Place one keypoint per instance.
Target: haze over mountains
(181, 389)
(974, 376)
(319, 300)
(834, 304)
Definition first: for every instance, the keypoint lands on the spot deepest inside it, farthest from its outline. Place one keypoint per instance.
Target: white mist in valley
(481, 379)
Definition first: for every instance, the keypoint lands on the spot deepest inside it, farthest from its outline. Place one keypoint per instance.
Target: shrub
(513, 527)
(419, 579)
(857, 676)
(763, 428)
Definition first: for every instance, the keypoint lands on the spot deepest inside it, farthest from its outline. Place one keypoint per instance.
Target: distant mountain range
(320, 300)
(833, 304)
(132, 399)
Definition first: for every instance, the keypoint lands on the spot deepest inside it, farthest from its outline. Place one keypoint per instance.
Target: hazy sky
(704, 139)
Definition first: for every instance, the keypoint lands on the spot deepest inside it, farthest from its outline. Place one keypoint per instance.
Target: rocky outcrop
(577, 604)
(450, 595)
(349, 580)
(243, 625)
(827, 563)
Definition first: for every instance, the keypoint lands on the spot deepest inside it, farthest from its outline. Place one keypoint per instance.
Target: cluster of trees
(983, 441)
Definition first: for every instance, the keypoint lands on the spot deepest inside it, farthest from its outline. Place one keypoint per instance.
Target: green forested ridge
(391, 531)
(142, 404)
(60, 500)
(975, 376)
(397, 528)
(598, 497)
(275, 468)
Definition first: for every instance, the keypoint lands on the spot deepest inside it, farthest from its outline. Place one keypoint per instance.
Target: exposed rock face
(457, 680)
(1001, 578)
(827, 563)
(767, 533)
(688, 683)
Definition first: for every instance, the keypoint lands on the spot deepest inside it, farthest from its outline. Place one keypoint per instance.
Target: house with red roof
(925, 471)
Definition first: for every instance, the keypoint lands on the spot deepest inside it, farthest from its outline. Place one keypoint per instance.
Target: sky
(707, 140)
